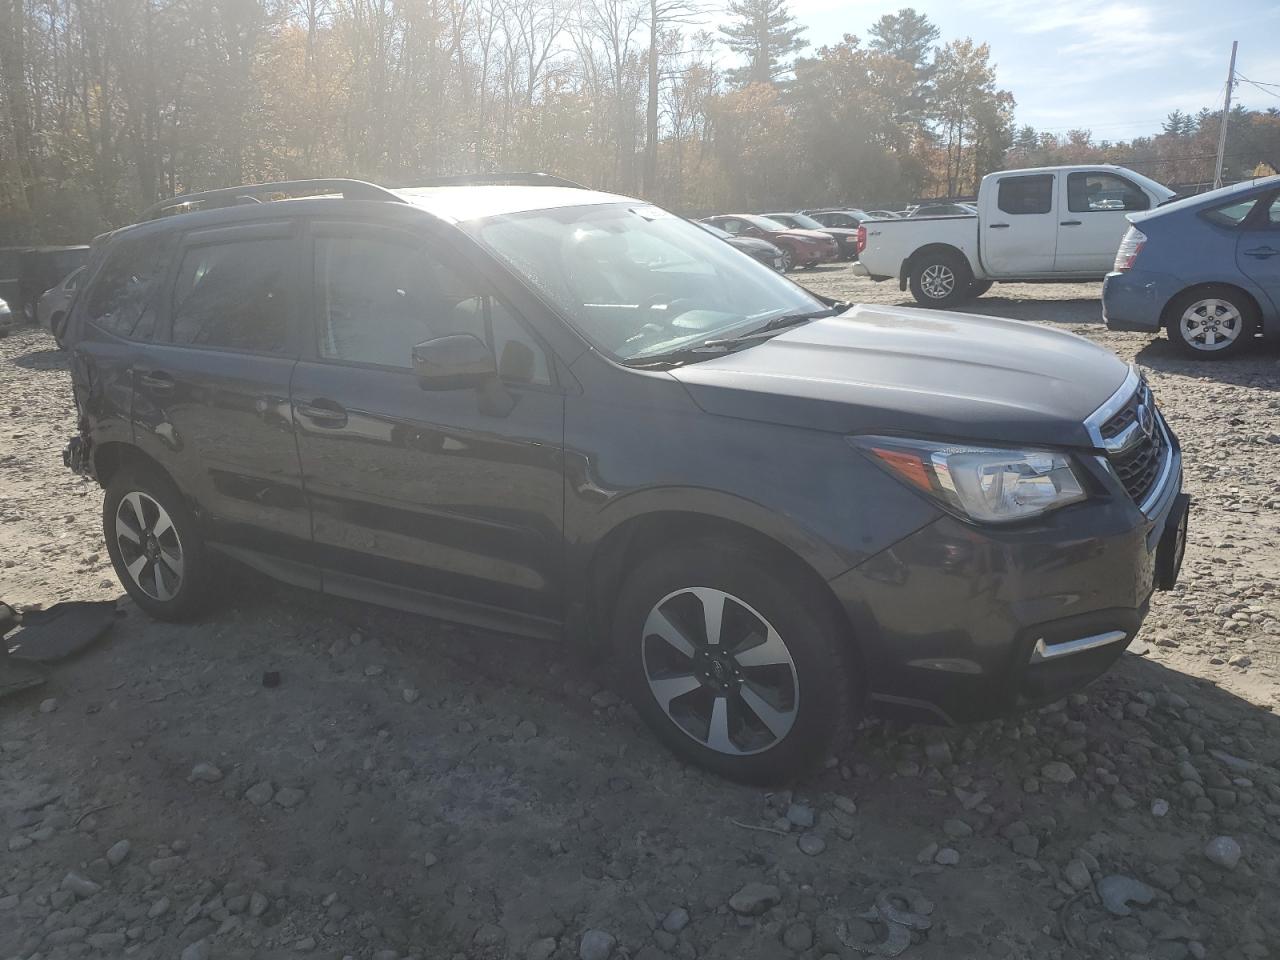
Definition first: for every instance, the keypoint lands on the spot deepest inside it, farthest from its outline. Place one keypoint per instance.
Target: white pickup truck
(1048, 224)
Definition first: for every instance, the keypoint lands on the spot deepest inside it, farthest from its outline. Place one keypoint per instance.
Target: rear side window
(122, 299)
(1103, 193)
(1023, 195)
(1231, 214)
(234, 295)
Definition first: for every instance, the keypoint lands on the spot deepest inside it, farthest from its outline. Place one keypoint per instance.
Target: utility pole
(1226, 111)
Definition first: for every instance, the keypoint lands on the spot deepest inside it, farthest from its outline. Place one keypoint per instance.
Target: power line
(1256, 83)
(1261, 87)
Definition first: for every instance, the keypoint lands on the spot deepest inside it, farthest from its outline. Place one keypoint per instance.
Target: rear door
(1094, 204)
(211, 397)
(1258, 248)
(1019, 226)
(449, 501)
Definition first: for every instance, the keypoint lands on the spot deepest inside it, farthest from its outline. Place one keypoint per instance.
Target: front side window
(122, 298)
(234, 295)
(379, 297)
(1273, 212)
(1103, 193)
(637, 281)
(1026, 195)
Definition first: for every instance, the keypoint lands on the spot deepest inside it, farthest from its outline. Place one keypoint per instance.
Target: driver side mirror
(454, 362)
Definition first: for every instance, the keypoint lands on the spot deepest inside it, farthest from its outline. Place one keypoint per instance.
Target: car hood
(926, 373)
(751, 243)
(806, 234)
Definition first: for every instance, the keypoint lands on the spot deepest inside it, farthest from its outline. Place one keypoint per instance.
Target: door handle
(157, 381)
(1261, 253)
(999, 226)
(325, 413)
(1070, 223)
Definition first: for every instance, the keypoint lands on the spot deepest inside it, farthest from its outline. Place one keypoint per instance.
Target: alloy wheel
(1211, 324)
(150, 548)
(937, 281)
(788, 259)
(720, 671)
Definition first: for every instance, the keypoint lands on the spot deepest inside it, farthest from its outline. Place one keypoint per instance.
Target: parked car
(846, 217)
(51, 308)
(1206, 268)
(27, 272)
(936, 208)
(882, 215)
(800, 248)
(846, 238)
(8, 319)
(1049, 224)
(762, 250)
(565, 413)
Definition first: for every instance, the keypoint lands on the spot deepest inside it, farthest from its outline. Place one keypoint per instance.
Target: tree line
(109, 105)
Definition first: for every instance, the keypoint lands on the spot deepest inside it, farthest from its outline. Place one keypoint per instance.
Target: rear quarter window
(122, 298)
(1230, 214)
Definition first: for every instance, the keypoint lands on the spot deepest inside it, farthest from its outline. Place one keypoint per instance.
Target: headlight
(987, 484)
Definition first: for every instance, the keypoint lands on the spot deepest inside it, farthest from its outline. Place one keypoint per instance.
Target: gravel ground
(412, 788)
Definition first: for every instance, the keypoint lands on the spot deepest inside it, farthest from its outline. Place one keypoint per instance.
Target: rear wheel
(1211, 323)
(154, 544)
(788, 260)
(735, 667)
(940, 279)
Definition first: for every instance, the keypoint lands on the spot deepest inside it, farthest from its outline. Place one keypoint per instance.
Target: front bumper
(960, 622)
(1135, 299)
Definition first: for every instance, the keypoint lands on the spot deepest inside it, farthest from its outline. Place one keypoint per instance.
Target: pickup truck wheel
(735, 665)
(1211, 323)
(940, 279)
(154, 544)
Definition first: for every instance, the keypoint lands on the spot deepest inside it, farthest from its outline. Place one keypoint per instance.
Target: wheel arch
(641, 534)
(110, 458)
(909, 264)
(1166, 312)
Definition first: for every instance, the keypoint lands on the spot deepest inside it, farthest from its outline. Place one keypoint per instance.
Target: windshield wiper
(720, 346)
(777, 324)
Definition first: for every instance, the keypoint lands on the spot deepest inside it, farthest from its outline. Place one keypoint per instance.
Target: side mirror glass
(453, 362)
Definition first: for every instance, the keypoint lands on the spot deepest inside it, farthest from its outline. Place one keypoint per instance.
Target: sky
(1114, 67)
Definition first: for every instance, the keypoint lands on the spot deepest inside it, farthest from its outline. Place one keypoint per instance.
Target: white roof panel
(459, 203)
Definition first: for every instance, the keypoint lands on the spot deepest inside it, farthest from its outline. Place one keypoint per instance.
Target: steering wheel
(675, 308)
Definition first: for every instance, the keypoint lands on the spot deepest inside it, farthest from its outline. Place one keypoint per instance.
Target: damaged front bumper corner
(75, 456)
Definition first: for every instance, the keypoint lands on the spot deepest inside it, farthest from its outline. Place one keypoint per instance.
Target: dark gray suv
(562, 413)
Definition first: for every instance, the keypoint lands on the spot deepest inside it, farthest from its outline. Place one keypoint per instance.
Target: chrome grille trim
(1117, 430)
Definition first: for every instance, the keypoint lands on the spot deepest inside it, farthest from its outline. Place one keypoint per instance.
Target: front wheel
(154, 544)
(736, 667)
(940, 279)
(788, 260)
(1211, 323)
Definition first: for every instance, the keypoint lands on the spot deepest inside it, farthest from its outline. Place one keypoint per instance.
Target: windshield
(805, 222)
(637, 281)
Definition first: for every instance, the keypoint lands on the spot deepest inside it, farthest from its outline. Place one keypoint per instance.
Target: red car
(800, 248)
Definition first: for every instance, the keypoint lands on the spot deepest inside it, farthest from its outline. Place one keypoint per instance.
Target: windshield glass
(807, 222)
(766, 223)
(637, 281)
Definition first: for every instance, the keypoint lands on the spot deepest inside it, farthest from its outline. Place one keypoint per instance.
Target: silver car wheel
(937, 281)
(1211, 324)
(720, 671)
(149, 545)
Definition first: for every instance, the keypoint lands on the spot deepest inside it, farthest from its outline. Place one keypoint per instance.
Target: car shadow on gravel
(54, 359)
(1067, 311)
(1256, 368)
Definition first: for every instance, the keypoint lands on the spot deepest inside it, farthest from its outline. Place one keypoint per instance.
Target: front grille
(1138, 465)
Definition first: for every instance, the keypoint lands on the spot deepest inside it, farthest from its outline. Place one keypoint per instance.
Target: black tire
(815, 689)
(788, 259)
(155, 590)
(940, 279)
(979, 287)
(1217, 310)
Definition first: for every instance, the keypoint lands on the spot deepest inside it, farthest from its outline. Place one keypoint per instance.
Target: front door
(1019, 226)
(453, 498)
(1258, 249)
(1095, 207)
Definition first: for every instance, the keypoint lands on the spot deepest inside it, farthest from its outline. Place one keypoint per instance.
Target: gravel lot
(417, 789)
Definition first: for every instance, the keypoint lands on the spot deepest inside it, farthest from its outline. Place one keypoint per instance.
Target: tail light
(1132, 244)
(862, 239)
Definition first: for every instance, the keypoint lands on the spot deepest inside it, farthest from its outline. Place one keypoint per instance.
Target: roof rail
(252, 193)
(500, 179)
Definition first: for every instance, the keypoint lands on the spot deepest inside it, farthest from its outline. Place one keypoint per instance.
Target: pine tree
(765, 32)
(1177, 124)
(907, 35)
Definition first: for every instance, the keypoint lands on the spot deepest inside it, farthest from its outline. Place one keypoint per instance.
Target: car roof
(1213, 198)
(460, 203)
